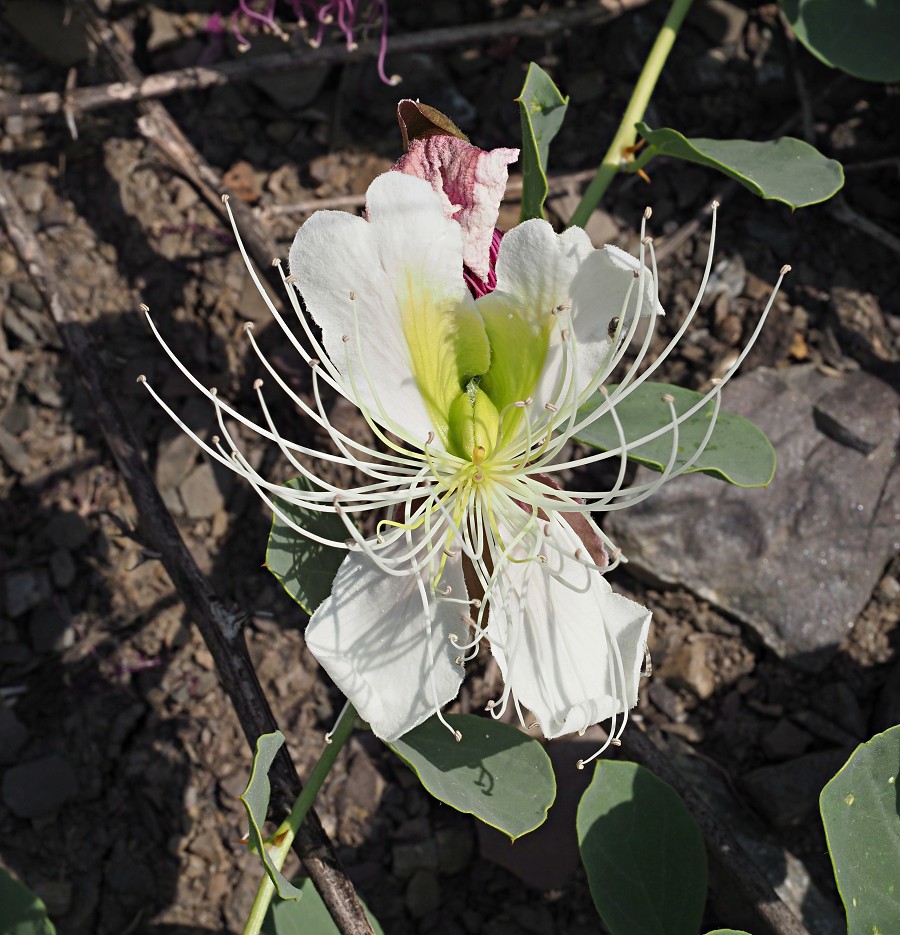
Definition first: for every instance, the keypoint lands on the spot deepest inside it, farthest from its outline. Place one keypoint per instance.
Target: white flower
(472, 403)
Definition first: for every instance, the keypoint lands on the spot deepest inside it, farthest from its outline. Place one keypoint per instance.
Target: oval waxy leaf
(306, 569)
(860, 37)
(21, 912)
(542, 109)
(861, 813)
(642, 851)
(737, 452)
(306, 917)
(785, 169)
(495, 772)
(256, 802)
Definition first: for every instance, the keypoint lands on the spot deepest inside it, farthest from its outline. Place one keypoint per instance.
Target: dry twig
(75, 101)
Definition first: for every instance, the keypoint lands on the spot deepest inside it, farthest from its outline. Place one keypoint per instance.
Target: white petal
(556, 634)
(389, 296)
(537, 271)
(372, 636)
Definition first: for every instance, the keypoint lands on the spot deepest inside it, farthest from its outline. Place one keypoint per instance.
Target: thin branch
(839, 209)
(739, 872)
(590, 13)
(556, 184)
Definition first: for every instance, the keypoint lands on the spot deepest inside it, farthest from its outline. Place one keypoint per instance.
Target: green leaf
(861, 813)
(728, 932)
(542, 109)
(738, 452)
(21, 912)
(256, 802)
(786, 169)
(305, 568)
(495, 772)
(857, 36)
(643, 853)
(307, 917)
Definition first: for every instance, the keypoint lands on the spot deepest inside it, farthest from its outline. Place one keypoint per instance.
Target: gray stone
(423, 894)
(13, 734)
(408, 858)
(50, 629)
(667, 701)
(62, 568)
(13, 452)
(454, 848)
(68, 530)
(788, 793)
(799, 560)
(25, 590)
(200, 493)
(39, 787)
(785, 741)
(57, 896)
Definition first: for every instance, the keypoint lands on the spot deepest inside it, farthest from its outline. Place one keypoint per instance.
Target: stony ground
(120, 757)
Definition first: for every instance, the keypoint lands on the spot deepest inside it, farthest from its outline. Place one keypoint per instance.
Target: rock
(721, 22)
(788, 793)
(837, 701)
(50, 629)
(57, 896)
(785, 741)
(13, 452)
(200, 493)
(799, 560)
(423, 894)
(26, 590)
(667, 701)
(454, 848)
(68, 530)
(13, 734)
(408, 858)
(62, 568)
(687, 667)
(40, 787)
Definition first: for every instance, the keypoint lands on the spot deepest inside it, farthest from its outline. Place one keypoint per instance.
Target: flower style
(472, 403)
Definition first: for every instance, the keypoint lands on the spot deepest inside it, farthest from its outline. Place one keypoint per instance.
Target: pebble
(68, 530)
(788, 793)
(50, 629)
(39, 787)
(455, 846)
(837, 701)
(408, 858)
(13, 452)
(785, 741)
(423, 894)
(13, 734)
(26, 590)
(667, 701)
(687, 667)
(57, 896)
(200, 493)
(62, 568)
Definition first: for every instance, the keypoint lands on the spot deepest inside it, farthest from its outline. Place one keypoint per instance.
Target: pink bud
(471, 183)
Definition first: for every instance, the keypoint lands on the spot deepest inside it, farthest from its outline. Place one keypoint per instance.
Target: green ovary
(473, 423)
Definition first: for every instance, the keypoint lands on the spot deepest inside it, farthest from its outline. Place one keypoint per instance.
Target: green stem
(634, 112)
(284, 836)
